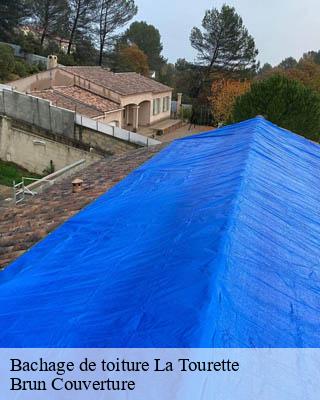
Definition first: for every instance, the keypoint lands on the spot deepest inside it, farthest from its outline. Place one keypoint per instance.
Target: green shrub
(284, 102)
(186, 113)
(6, 62)
(21, 68)
(35, 68)
(10, 172)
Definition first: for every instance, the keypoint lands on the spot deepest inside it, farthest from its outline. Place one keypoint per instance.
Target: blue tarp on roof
(212, 243)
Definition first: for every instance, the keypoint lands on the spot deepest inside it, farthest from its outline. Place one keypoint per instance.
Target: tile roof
(124, 83)
(86, 97)
(77, 99)
(23, 225)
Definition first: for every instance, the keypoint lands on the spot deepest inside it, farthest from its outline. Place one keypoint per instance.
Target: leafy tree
(312, 56)
(283, 101)
(307, 72)
(148, 39)
(86, 53)
(167, 74)
(265, 69)
(29, 43)
(113, 15)
(12, 14)
(224, 95)
(82, 15)
(132, 59)
(6, 62)
(288, 63)
(187, 79)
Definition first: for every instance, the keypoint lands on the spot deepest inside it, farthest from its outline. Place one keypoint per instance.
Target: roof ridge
(159, 87)
(68, 70)
(244, 172)
(224, 243)
(82, 66)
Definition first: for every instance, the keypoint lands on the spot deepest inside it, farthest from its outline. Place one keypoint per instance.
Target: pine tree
(82, 15)
(224, 42)
(49, 16)
(12, 14)
(113, 14)
(223, 45)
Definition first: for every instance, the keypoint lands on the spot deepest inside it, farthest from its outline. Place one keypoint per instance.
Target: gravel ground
(184, 131)
(5, 192)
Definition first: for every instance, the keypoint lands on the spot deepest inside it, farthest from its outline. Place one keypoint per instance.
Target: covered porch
(136, 116)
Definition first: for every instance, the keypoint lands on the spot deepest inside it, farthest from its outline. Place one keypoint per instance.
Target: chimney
(77, 185)
(52, 62)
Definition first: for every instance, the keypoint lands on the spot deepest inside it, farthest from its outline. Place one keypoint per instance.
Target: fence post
(14, 192)
(50, 118)
(33, 114)
(4, 104)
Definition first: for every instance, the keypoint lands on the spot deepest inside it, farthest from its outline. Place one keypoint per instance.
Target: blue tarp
(212, 243)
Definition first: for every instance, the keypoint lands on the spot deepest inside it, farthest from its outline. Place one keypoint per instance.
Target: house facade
(127, 100)
(62, 43)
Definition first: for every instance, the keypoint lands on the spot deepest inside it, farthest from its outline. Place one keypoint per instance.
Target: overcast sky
(281, 28)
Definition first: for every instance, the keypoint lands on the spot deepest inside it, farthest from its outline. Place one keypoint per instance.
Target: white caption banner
(154, 374)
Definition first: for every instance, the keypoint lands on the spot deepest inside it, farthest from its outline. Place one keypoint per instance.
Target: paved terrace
(23, 225)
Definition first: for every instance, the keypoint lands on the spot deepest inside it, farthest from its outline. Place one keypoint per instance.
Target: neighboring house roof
(77, 99)
(213, 243)
(23, 225)
(124, 83)
(38, 31)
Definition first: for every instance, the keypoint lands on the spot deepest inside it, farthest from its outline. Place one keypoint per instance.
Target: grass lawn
(10, 172)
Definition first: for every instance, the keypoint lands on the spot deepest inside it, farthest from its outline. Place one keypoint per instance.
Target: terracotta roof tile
(23, 225)
(84, 96)
(80, 100)
(59, 100)
(124, 83)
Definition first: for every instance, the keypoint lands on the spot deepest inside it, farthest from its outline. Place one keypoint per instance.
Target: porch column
(127, 115)
(135, 118)
(179, 104)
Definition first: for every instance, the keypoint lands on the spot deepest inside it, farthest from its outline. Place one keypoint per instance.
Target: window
(166, 104)
(156, 106)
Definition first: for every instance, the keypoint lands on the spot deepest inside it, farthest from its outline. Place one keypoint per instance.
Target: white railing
(5, 87)
(114, 131)
(20, 189)
(38, 185)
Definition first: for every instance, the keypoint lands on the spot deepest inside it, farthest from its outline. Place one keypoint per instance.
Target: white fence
(35, 111)
(114, 131)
